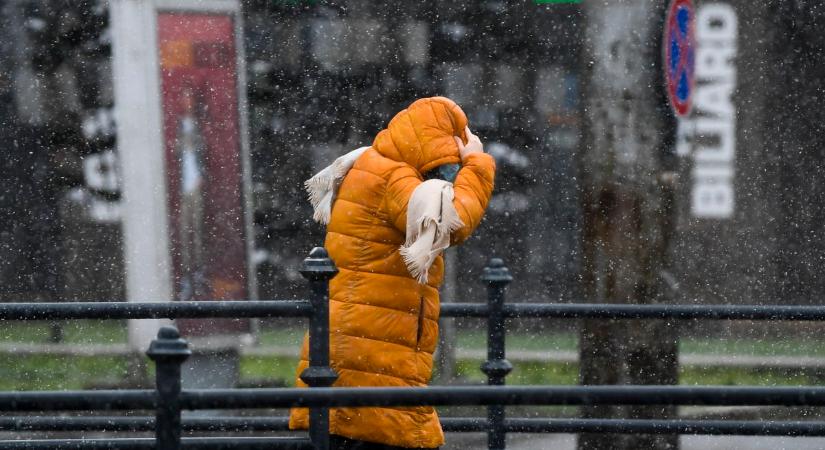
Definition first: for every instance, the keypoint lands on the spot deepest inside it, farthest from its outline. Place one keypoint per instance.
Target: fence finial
(496, 272)
(169, 345)
(318, 265)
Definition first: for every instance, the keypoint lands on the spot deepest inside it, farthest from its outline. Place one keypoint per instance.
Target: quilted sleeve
(473, 187)
(400, 187)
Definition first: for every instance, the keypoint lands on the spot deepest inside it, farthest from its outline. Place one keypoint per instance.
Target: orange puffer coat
(383, 323)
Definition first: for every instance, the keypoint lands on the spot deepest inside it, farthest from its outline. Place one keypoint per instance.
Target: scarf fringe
(323, 186)
(320, 193)
(417, 251)
(420, 249)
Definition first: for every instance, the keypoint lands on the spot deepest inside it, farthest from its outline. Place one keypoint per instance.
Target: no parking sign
(680, 55)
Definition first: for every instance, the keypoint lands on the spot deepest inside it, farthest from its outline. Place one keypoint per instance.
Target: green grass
(524, 373)
(60, 373)
(281, 337)
(796, 346)
(114, 332)
(47, 372)
(567, 374)
(270, 368)
(477, 339)
(746, 377)
(74, 332)
(757, 347)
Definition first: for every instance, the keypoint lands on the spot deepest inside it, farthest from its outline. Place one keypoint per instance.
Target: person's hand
(473, 144)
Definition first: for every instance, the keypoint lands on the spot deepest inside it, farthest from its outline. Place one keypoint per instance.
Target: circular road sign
(680, 54)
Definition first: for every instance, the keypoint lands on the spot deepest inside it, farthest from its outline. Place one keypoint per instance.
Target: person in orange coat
(384, 303)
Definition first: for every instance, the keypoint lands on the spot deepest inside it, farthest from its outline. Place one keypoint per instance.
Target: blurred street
(568, 442)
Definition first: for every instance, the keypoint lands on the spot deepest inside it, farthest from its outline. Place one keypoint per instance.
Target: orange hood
(423, 134)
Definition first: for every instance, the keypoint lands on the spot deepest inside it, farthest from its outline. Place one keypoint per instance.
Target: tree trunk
(627, 203)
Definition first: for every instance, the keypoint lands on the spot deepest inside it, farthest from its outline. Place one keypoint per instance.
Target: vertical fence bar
(168, 351)
(496, 277)
(318, 268)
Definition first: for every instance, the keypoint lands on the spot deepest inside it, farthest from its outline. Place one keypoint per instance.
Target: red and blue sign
(680, 54)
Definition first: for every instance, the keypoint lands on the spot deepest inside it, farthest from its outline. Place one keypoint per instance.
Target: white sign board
(710, 132)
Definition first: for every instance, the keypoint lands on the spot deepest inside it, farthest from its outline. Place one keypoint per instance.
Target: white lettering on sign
(101, 174)
(100, 170)
(712, 129)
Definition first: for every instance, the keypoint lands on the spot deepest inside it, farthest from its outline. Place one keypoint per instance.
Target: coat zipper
(420, 324)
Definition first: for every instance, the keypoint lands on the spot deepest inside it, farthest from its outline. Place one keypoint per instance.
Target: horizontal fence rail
(449, 424)
(124, 399)
(503, 395)
(139, 424)
(234, 443)
(300, 308)
(610, 311)
(155, 310)
(169, 352)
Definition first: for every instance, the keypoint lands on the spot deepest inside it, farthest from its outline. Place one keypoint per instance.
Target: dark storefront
(324, 77)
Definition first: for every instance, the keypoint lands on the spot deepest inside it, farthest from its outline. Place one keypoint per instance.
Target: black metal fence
(169, 351)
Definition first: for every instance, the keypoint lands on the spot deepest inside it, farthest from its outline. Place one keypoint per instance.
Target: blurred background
(324, 77)
(553, 88)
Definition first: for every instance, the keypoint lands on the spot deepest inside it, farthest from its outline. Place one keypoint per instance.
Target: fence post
(497, 277)
(168, 351)
(318, 268)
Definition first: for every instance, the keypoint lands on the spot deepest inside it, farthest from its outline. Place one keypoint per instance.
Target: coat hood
(423, 134)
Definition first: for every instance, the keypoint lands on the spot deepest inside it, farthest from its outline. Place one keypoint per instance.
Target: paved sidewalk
(568, 442)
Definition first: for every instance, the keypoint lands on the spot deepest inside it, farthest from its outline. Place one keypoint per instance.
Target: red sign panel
(680, 54)
(202, 142)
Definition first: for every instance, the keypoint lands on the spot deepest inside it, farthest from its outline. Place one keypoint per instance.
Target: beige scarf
(431, 219)
(431, 216)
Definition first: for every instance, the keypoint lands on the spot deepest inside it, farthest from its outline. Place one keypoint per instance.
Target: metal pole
(497, 277)
(319, 269)
(168, 351)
